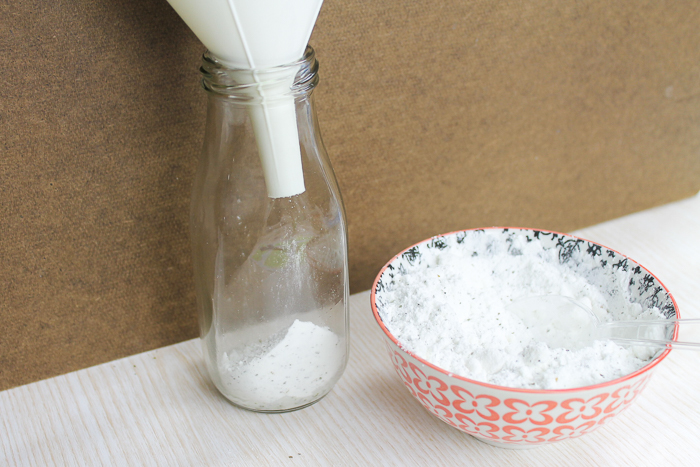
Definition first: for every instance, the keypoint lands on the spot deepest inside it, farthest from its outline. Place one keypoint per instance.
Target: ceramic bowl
(522, 418)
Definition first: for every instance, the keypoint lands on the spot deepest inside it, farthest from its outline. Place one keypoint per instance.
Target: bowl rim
(621, 379)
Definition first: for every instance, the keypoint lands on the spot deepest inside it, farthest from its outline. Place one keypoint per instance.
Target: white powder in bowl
(449, 307)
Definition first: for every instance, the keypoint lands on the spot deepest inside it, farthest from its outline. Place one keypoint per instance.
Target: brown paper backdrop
(438, 115)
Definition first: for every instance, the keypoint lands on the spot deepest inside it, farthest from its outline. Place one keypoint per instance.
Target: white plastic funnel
(256, 35)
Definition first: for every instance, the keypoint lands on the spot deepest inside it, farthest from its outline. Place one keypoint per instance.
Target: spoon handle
(671, 344)
(654, 333)
(635, 323)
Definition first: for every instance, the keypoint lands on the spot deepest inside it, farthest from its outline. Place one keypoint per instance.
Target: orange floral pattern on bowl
(531, 419)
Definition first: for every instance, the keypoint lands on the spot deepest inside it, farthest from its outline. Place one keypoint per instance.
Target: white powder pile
(451, 311)
(287, 371)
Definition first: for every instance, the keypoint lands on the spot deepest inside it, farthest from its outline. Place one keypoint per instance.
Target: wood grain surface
(159, 408)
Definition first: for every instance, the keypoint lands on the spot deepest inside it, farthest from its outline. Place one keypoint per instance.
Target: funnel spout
(274, 120)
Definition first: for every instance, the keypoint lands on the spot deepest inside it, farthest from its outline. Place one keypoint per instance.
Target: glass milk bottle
(271, 272)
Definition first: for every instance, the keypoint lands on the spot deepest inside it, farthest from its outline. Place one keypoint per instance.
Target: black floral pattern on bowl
(642, 287)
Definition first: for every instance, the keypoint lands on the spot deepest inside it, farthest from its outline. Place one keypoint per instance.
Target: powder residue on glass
(291, 368)
(452, 312)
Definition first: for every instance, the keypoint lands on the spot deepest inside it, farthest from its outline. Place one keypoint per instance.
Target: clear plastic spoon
(562, 322)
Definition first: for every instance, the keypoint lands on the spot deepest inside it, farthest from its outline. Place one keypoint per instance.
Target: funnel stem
(277, 137)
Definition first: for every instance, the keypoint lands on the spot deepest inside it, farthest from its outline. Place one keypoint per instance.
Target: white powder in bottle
(288, 370)
(451, 311)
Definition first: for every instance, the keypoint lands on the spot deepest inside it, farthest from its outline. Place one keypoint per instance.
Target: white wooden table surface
(159, 408)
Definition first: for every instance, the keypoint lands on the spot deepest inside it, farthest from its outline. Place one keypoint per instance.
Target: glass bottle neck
(270, 97)
(295, 80)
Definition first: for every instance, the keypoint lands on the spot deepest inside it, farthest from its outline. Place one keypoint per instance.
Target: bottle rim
(296, 79)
